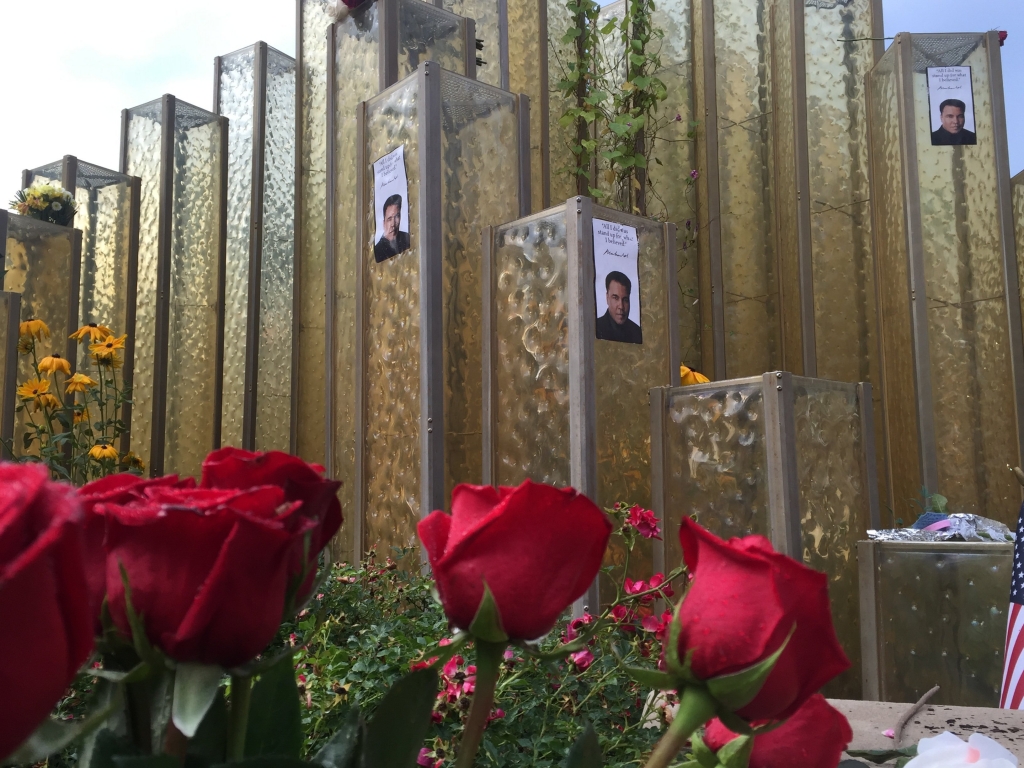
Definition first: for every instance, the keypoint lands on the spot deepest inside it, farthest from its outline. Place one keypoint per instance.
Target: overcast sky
(71, 67)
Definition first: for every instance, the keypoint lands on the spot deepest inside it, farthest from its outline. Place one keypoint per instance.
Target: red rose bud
(1002, 38)
(814, 737)
(744, 601)
(228, 554)
(45, 608)
(536, 547)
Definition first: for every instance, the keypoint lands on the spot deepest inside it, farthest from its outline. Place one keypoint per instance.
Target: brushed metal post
(131, 302)
(870, 668)
(675, 354)
(469, 49)
(867, 436)
(658, 399)
(714, 193)
(783, 487)
(222, 262)
(525, 189)
(489, 357)
(387, 51)
(11, 303)
(359, 473)
(300, 76)
(74, 298)
(330, 276)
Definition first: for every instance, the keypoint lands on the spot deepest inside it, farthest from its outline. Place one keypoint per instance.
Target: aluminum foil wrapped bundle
(956, 527)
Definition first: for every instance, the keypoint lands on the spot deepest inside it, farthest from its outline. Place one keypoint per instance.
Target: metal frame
(523, 112)
(359, 491)
(489, 358)
(9, 374)
(872, 650)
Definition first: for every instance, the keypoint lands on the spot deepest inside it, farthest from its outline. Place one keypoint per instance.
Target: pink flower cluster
(645, 522)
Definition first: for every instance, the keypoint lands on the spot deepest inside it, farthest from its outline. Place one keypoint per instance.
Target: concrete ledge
(869, 718)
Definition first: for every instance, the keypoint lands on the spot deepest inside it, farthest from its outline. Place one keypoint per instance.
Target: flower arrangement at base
(46, 202)
(72, 421)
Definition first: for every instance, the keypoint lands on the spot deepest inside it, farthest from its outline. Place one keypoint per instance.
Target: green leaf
(343, 748)
(136, 674)
(652, 678)
(210, 741)
(705, 757)
(54, 735)
(400, 724)
(487, 622)
(585, 751)
(737, 690)
(275, 713)
(641, 82)
(195, 687)
(267, 762)
(879, 756)
(736, 753)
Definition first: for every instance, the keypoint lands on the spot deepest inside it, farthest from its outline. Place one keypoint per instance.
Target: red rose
(235, 468)
(744, 600)
(538, 548)
(208, 568)
(45, 620)
(112, 489)
(814, 737)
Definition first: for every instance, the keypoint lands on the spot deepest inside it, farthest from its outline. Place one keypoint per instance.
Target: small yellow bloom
(82, 416)
(33, 388)
(132, 461)
(93, 331)
(114, 361)
(53, 363)
(45, 401)
(79, 383)
(108, 346)
(33, 327)
(99, 452)
(688, 377)
(26, 345)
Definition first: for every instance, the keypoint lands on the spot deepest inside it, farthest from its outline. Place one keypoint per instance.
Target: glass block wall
(489, 18)
(944, 285)
(177, 412)
(528, 73)
(257, 402)
(42, 263)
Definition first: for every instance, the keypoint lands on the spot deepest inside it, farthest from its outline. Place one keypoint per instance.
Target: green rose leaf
(737, 690)
(652, 678)
(705, 757)
(210, 742)
(487, 622)
(400, 724)
(736, 754)
(342, 750)
(880, 756)
(195, 687)
(585, 751)
(275, 713)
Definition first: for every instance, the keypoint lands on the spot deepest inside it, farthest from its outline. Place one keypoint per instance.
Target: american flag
(1013, 667)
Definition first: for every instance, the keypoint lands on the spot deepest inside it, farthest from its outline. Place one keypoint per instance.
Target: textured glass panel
(750, 280)
(834, 511)
(277, 279)
(237, 101)
(192, 332)
(480, 187)
(968, 337)
(485, 14)
(532, 333)
(391, 365)
(717, 461)
(941, 612)
(668, 197)
(525, 38)
(426, 33)
(357, 76)
(901, 427)
(624, 375)
(39, 265)
(560, 137)
(144, 161)
(312, 128)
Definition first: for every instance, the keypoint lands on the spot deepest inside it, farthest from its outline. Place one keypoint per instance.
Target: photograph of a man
(393, 241)
(614, 324)
(953, 114)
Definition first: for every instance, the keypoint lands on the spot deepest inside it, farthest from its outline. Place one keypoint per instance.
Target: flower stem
(696, 707)
(488, 667)
(238, 717)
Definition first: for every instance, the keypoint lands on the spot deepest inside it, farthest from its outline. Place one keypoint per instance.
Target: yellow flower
(79, 383)
(53, 363)
(108, 346)
(114, 361)
(93, 331)
(26, 345)
(99, 452)
(82, 416)
(33, 388)
(688, 377)
(45, 401)
(132, 461)
(33, 327)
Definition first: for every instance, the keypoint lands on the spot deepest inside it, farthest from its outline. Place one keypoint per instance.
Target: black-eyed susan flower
(114, 361)
(108, 347)
(101, 451)
(33, 388)
(53, 363)
(94, 331)
(132, 461)
(79, 383)
(34, 328)
(81, 416)
(26, 345)
(45, 401)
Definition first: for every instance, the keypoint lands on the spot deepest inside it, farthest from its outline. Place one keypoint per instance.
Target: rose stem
(238, 717)
(488, 667)
(696, 707)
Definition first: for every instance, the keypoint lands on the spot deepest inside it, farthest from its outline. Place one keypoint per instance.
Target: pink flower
(694, 174)
(634, 587)
(656, 581)
(425, 758)
(498, 714)
(572, 630)
(624, 616)
(509, 654)
(452, 666)
(659, 626)
(645, 522)
(582, 659)
(1002, 38)
(444, 641)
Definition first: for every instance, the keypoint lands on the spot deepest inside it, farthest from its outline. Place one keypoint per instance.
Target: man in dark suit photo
(394, 241)
(615, 325)
(953, 113)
